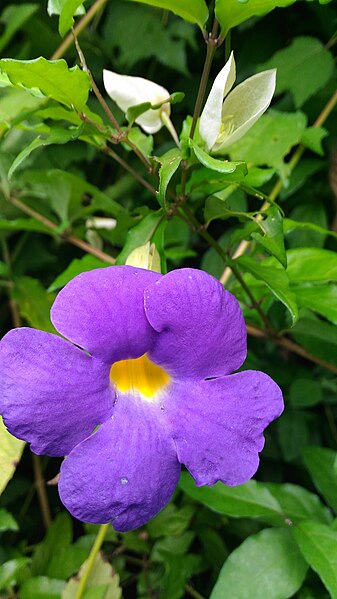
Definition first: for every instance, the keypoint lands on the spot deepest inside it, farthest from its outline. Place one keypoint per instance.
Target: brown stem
(79, 27)
(129, 168)
(68, 237)
(291, 346)
(41, 491)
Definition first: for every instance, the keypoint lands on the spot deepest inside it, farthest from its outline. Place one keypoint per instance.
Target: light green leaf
(50, 79)
(214, 164)
(55, 8)
(21, 224)
(169, 163)
(318, 544)
(56, 136)
(41, 587)
(10, 571)
(311, 264)
(303, 68)
(320, 462)
(11, 450)
(273, 238)
(194, 11)
(312, 139)
(13, 17)
(276, 280)
(251, 500)
(69, 9)
(7, 521)
(319, 298)
(75, 267)
(270, 140)
(34, 302)
(299, 504)
(232, 12)
(292, 225)
(103, 582)
(317, 337)
(140, 234)
(267, 564)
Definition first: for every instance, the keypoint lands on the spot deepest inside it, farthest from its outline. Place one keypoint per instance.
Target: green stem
(191, 591)
(91, 560)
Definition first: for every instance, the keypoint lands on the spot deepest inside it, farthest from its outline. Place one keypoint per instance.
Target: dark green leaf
(319, 298)
(214, 164)
(41, 587)
(311, 264)
(273, 239)
(232, 12)
(75, 267)
(13, 17)
(34, 302)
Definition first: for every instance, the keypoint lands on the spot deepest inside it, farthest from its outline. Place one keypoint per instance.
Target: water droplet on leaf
(124, 480)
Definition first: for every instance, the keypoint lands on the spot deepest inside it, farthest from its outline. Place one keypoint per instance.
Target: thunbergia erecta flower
(228, 115)
(149, 390)
(129, 91)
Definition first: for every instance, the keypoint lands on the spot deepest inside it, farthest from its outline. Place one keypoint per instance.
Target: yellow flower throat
(139, 376)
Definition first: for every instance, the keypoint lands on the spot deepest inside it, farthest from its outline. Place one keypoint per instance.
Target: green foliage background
(274, 537)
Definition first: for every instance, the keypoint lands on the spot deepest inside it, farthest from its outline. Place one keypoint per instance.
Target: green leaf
(319, 298)
(311, 264)
(276, 280)
(7, 522)
(267, 564)
(56, 136)
(41, 587)
(58, 536)
(11, 450)
(75, 267)
(303, 68)
(320, 462)
(50, 79)
(69, 9)
(251, 500)
(103, 582)
(232, 12)
(170, 521)
(318, 545)
(169, 164)
(22, 224)
(13, 17)
(270, 140)
(34, 302)
(221, 166)
(273, 238)
(194, 11)
(293, 434)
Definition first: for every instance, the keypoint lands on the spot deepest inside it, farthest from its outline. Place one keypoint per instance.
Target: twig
(41, 491)
(290, 346)
(191, 591)
(129, 168)
(79, 27)
(244, 245)
(103, 529)
(68, 237)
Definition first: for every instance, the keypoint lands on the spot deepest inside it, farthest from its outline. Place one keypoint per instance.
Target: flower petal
(218, 425)
(128, 91)
(201, 329)
(210, 120)
(52, 394)
(126, 472)
(246, 103)
(103, 311)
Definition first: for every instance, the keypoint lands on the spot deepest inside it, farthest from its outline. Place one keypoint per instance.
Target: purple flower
(152, 379)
